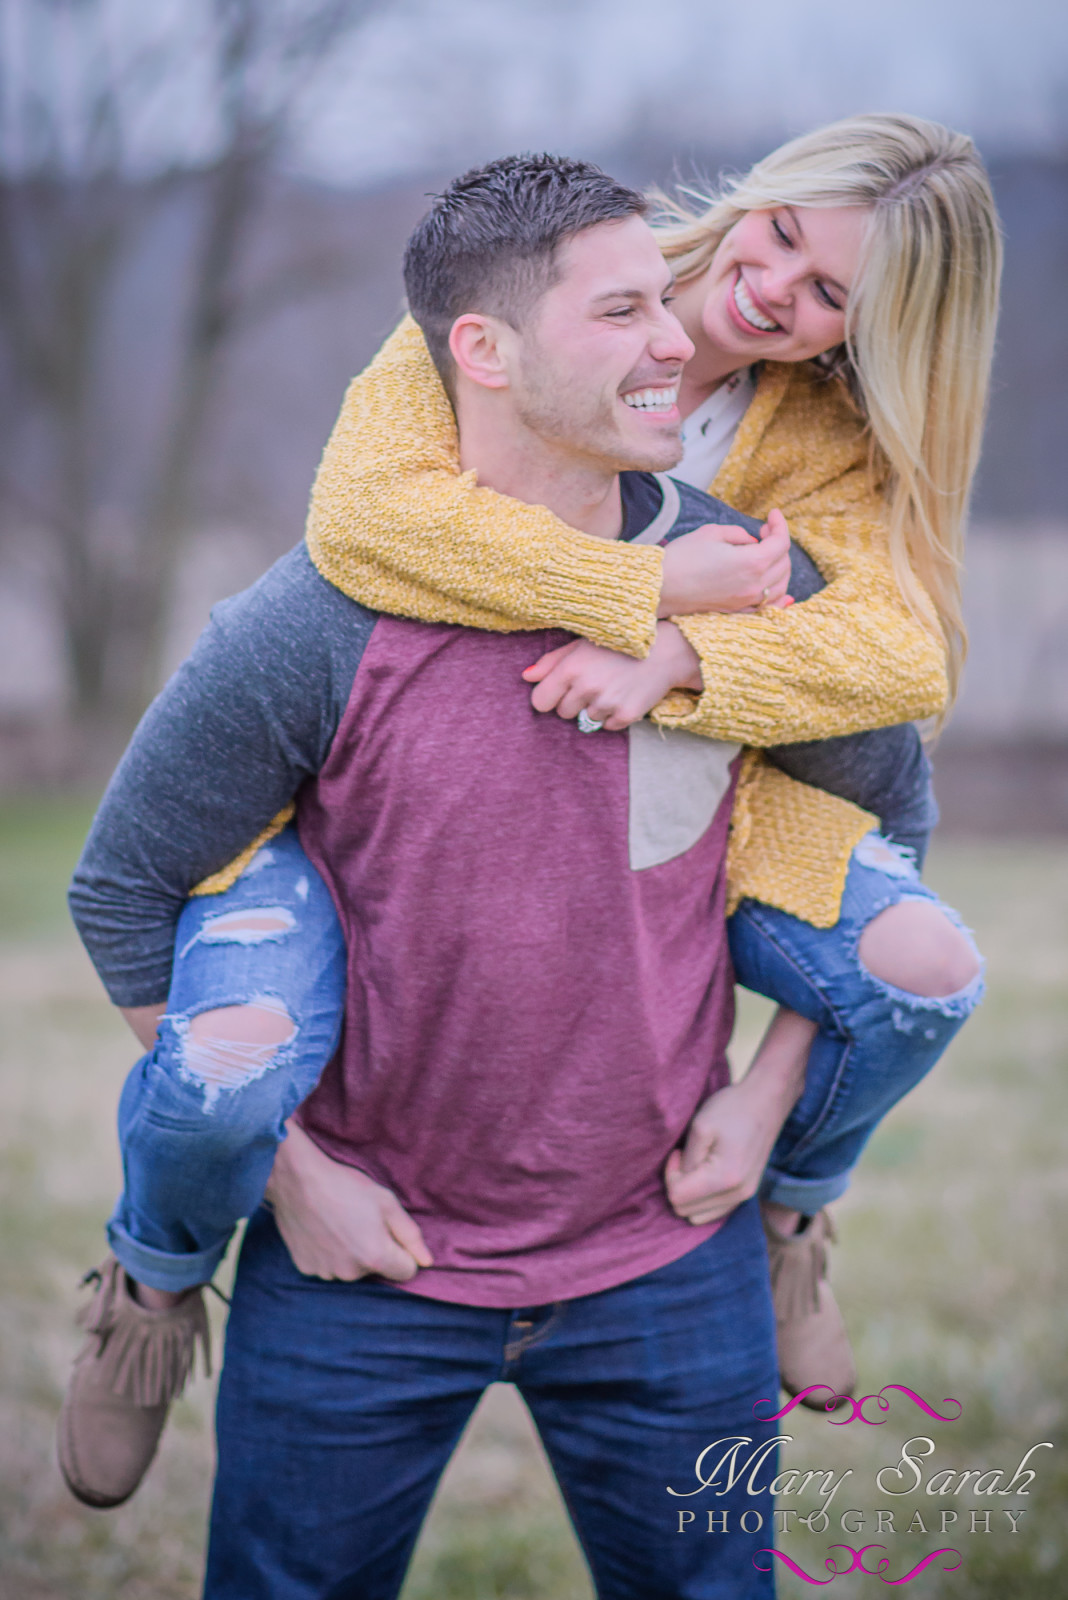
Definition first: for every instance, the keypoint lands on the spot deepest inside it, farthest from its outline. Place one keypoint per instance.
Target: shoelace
(94, 1276)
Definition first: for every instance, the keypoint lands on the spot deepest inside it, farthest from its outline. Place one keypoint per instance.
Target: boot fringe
(146, 1357)
(151, 1364)
(797, 1269)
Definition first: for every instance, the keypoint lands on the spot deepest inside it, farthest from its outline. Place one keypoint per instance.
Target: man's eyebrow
(631, 294)
(791, 212)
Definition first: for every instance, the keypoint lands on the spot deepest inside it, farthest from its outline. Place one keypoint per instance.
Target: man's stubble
(557, 408)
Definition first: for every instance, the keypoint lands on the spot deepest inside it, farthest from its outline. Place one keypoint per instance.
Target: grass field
(951, 1266)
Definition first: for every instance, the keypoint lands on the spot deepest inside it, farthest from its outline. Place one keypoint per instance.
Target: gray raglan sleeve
(246, 720)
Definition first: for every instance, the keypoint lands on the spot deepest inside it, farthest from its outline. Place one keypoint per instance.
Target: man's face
(600, 355)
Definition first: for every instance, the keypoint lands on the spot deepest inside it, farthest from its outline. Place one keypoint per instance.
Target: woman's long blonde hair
(919, 324)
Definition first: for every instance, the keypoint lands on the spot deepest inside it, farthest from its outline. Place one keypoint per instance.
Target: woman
(861, 264)
(872, 246)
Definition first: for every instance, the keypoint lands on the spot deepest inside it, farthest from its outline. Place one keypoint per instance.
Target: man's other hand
(724, 568)
(336, 1221)
(613, 689)
(726, 1150)
(733, 1132)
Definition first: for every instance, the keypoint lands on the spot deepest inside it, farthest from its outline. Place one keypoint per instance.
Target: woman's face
(778, 284)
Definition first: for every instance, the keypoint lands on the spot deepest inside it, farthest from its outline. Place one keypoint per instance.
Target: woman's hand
(727, 1148)
(724, 568)
(611, 688)
(733, 1132)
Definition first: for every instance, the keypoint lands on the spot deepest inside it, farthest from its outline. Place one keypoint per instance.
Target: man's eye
(623, 311)
(668, 299)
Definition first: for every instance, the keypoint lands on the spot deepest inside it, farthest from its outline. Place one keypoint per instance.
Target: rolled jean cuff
(807, 1195)
(158, 1269)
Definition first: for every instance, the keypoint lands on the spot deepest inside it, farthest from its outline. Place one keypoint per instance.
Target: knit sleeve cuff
(813, 672)
(604, 591)
(754, 712)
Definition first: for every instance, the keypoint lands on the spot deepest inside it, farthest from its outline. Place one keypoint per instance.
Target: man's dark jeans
(340, 1404)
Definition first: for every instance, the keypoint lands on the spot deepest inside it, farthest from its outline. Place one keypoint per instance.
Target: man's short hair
(489, 242)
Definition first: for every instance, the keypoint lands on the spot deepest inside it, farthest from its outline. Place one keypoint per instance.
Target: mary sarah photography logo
(911, 1493)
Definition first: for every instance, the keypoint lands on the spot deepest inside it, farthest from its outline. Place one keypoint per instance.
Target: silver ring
(586, 723)
(764, 596)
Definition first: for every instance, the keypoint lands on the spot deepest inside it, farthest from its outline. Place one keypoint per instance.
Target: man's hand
(613, 688)
(733, 1132)
(726, 569)
(336, 1221)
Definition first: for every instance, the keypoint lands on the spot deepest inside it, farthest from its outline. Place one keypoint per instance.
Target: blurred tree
(103, 122)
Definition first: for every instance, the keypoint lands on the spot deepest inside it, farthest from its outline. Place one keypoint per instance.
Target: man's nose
(670, 341)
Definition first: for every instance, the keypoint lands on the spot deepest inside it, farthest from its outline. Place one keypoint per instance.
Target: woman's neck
(708, 367)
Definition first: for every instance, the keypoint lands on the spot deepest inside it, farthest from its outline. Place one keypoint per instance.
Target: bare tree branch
(73, 206)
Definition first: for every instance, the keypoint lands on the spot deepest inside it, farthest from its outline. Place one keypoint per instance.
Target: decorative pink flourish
(830, 1563)
(884, 1405)
(926, 1562)
(857, 1406)
(814, 1388)
(857, 1564)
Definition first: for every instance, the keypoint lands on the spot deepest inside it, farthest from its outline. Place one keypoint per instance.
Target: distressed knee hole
(229, 1047)
(250, 926)
(914, 947)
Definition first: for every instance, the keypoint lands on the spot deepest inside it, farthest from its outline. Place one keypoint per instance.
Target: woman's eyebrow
(791, 212)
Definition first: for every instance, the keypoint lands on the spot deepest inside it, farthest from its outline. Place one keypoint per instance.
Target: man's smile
(662, 401)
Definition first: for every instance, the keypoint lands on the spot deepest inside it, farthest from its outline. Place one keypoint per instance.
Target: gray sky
(433, 81)
(429, 84)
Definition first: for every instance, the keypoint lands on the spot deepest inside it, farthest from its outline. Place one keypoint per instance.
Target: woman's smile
(742, 299)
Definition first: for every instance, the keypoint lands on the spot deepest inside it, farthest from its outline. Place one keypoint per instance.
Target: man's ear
(482, 348)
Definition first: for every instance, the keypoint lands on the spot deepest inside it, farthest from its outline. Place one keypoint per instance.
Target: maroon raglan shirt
(531, 1022)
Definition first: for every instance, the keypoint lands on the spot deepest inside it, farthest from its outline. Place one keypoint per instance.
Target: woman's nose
(778, 285)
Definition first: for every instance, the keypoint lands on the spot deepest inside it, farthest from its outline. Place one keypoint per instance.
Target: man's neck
(516, 462)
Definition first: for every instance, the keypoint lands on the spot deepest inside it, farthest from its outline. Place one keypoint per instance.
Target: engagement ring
(586, 724)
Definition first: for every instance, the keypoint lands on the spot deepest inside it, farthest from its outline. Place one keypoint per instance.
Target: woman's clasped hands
(714, 568)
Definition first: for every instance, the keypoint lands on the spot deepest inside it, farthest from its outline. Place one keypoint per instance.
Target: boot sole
(88, 1497)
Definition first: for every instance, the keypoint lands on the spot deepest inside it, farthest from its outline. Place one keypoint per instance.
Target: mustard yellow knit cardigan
(395, 524)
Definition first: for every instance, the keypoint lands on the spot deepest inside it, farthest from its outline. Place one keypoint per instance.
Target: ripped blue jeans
(201, 1114)
(874, 1043)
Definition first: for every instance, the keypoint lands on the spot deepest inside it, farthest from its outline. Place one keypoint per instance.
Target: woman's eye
(780, 232)
(824, 294)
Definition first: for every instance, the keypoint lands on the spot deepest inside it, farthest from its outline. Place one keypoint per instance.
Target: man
(539, 993)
